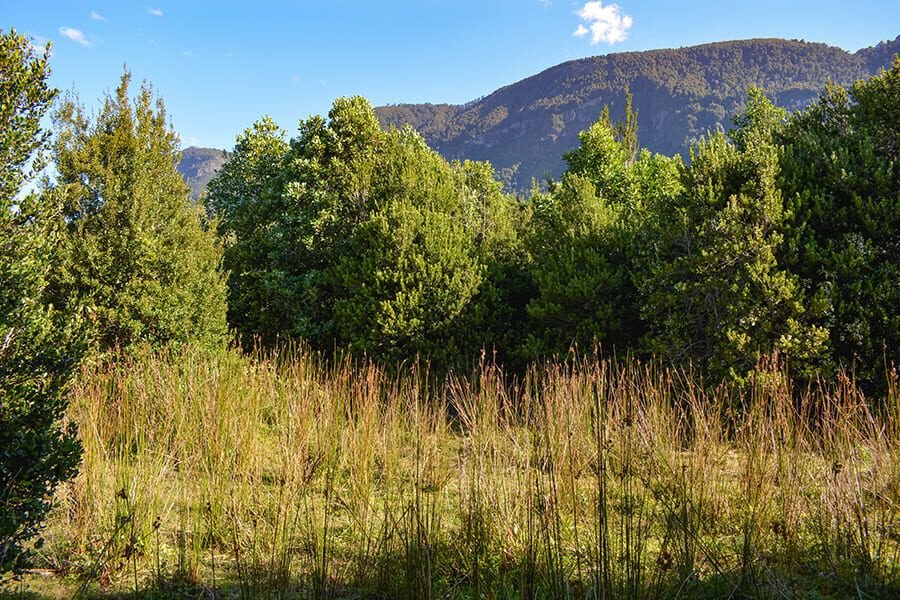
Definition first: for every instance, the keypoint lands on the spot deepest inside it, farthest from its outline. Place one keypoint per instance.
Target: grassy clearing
(282, 476)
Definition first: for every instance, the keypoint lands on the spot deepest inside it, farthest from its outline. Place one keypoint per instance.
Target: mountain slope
(523, 129)
(199, 165)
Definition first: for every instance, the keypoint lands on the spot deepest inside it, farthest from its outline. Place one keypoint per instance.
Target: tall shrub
(140, 261)
(716, 296)
(840, 178)
(38, 348)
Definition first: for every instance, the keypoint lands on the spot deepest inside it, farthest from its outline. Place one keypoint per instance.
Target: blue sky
(221, 65)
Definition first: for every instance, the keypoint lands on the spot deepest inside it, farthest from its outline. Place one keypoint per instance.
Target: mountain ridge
(524, 128)
(199, 165)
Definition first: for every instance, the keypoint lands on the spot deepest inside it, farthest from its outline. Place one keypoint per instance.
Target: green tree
(328, 193)
(411, 267)
(840, 178)
(580, 269)
(585, 242)
(716, 296)
(38, 348)
(357, 236)
(604, 153)
(246, 198)
(140, 260)
(496, 318)
(761, 121)
(288, 212)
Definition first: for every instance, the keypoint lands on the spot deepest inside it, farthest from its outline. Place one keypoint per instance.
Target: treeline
(782, 237)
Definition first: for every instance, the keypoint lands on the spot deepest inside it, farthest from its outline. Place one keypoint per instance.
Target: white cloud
(76, 35)
(155, 12)
(607, 23)
(545, 2)
(97, 17)
(188, 53)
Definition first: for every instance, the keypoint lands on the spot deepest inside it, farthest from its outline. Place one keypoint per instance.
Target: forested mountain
(523, 129)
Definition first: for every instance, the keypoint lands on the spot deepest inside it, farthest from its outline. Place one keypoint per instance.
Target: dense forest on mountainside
(523, 129)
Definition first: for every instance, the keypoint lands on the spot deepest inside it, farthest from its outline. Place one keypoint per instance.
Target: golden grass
(284, 475)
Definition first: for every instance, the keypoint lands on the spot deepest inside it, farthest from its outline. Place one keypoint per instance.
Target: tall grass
(282, 475)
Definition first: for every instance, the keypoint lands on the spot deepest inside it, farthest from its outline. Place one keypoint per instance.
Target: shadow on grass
(540, 585)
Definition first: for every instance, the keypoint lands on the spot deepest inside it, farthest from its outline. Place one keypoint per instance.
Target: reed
(280, 474)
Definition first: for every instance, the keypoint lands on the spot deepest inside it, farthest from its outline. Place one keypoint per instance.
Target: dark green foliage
(581, 271)
(245, 195)
(325, 194)
(24, 99)
(716, 297)
(841, 179)
(585, 242)
(288, 212)
(139, 262)
(495, 319)
(410, 268)
(524, 128)
(357, 236)
(38, 348)
(403, 288)
(779, 238)
(38, 351)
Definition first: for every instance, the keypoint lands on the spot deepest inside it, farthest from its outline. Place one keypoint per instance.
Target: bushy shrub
(38, 348)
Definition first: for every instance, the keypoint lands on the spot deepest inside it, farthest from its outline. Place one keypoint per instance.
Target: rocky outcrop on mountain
(199, 165)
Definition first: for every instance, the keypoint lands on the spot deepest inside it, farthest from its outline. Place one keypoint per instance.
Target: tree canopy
(140, 261)
(354, 235)
(777, 238)
(841, 179)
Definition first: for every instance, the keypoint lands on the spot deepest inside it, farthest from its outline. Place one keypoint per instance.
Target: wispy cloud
(97, 16)
(607, 23)
(155, 12)
(545, 2)
(187, 53)
(76, 35)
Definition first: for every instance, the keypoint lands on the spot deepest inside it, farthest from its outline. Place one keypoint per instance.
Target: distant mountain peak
(199, 165)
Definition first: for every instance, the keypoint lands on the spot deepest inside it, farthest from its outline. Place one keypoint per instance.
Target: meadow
(281, 475)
